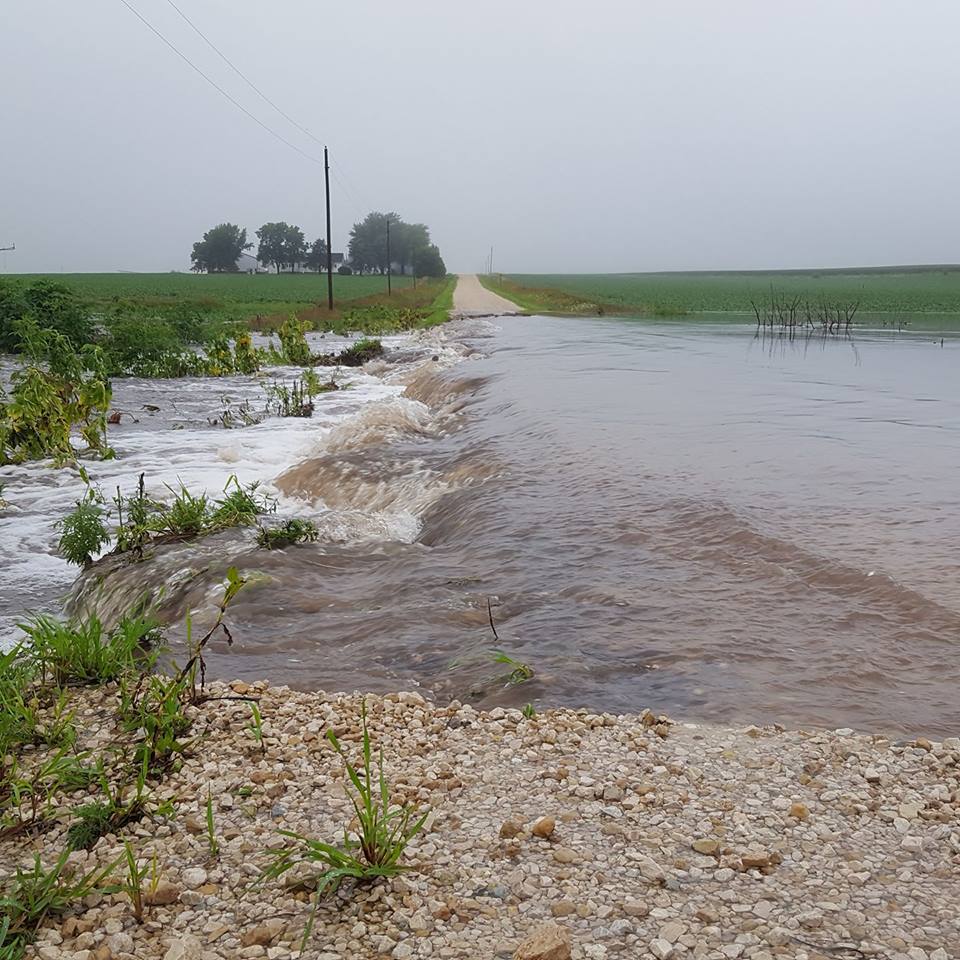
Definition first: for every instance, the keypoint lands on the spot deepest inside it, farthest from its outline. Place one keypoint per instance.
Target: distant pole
(491, 261)
(326, 180)
(389, 267)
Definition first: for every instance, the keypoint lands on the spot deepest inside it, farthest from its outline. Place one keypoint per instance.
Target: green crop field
(235, 296)
(906, 291)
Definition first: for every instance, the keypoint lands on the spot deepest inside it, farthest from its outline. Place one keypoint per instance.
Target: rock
(544, 827)
(706, 846)
(194, 877)
(257, 936)
(165, 894)
(564, 855)
(184, 948)
(635, 908)
(799, 811)
(563, 908)
(650, 870)
(661, 949)
(510, 829)
(672, 932)
(755, 860)
(909, 811)
(120, 943)
(871, 775)
(193, 825)
(548, 942)
(103, 952)
(707, 915)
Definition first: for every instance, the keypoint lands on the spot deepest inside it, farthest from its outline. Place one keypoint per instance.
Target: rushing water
(680, 516)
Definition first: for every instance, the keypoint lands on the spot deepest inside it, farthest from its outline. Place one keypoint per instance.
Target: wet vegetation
(287, 534)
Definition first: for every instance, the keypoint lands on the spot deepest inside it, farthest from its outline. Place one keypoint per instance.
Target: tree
(368, 242)
(220, 249)
(281, 244)
(405, 240)
(427, 262)
(317, 256)
(294, 247)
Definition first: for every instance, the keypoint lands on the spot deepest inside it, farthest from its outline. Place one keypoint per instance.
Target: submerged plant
(83, 531)
(293, 341)
(519, 672)
(373, 849)
(288, 533)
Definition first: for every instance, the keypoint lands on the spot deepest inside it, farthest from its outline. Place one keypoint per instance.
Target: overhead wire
(218, 88)
(242, 75)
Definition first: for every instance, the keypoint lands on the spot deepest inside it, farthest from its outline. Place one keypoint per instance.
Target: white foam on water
(198, 455)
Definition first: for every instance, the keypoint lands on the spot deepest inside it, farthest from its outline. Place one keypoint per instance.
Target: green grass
(236, 296)
(929, 296)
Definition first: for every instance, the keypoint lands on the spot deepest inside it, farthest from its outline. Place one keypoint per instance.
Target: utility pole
(326, 181)
(389, 266)
(490, 271)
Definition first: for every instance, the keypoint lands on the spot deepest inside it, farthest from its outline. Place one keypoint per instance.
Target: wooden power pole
(389, 265)
(326, 181)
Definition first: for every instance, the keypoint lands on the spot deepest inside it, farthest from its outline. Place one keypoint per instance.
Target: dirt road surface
(472, 299)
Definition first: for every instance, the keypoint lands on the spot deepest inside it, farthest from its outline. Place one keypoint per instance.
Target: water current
(681, 516)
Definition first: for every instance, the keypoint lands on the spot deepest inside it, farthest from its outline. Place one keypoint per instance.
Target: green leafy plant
(293, 341)
(245, 358)
(35, 893)
(185, 517)
(376, 848)
(60, 389)
(529, 711)
(83, 651)
(519, 672)
(132, 884)
(154, 705)
(355, 355)
(83, 531)
(289, 401)
(288, 533)
(134, 516)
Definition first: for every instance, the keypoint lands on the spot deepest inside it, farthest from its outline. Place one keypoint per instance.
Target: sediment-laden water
(678, 516)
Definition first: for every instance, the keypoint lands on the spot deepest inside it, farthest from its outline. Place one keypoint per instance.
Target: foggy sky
(572, 136)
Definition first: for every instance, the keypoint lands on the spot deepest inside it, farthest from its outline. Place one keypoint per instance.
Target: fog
(609, 136)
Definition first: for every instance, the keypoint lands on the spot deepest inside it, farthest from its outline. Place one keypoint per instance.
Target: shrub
(293, 341)
(344, 271)
(60, 389)
(83, 531)
(355, 355)
(245, 358)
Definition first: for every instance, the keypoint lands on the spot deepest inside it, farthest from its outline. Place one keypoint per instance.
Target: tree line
(284, 246)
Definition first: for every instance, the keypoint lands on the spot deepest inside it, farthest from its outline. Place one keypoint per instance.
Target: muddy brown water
(682, 517)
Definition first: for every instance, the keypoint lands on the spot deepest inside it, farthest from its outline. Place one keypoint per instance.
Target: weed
(382, 834)
(256, 724)
(186, 517)
(519, 672)
(83, 531)
(288, 533)
(245, 358)
(83, 652)
(289, 401)
(132, 884)
(212, 841)
(235, 583)
(133, 532)
(154, 705)
(35, 893)
(293, 342)
(529, 711)
(241, 505)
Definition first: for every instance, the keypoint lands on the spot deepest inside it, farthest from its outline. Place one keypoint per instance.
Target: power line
(242, 75)
(218, 88)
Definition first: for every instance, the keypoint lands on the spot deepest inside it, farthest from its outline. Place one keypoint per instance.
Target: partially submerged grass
(288, 533)
(520, 672)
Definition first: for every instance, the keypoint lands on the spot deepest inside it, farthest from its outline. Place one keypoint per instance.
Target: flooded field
(685, 517)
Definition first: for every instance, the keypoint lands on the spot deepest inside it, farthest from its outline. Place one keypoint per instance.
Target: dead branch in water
(496, 636)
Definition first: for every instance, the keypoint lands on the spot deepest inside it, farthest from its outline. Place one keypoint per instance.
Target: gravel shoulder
(565, 835)
(472, 299)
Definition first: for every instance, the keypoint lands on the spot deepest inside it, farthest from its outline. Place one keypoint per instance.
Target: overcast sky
(572, 136)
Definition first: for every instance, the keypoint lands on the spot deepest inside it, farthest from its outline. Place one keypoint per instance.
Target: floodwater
(677, 516)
